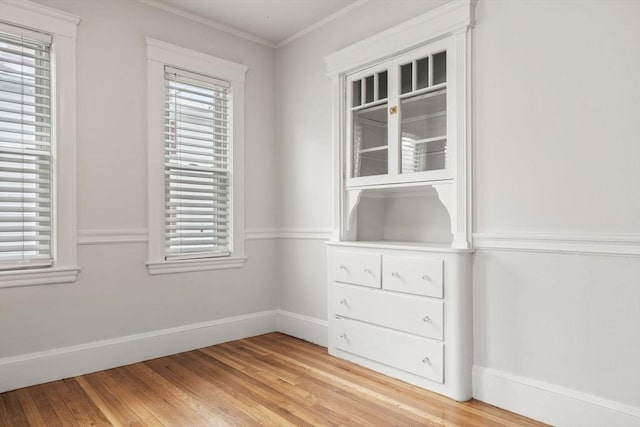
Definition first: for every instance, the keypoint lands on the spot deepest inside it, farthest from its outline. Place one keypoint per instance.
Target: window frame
(62, 27)
(159, 55)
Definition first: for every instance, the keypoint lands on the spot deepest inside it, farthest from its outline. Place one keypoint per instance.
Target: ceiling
(270, 21)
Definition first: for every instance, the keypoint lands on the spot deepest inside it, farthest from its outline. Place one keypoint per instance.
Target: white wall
(556, 107)
(304, 144)
(114, 295)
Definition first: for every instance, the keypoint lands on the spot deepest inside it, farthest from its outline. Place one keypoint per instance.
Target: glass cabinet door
(423, 114)
(369, 124)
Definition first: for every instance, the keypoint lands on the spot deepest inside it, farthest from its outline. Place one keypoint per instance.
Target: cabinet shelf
(372, 149)
(428, 140)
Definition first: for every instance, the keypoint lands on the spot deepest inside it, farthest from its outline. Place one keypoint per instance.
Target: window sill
(40, 276)
(182, 266)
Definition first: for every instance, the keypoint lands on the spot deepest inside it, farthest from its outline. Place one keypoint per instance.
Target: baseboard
(304, 327)
(41, 367)
(549, 403)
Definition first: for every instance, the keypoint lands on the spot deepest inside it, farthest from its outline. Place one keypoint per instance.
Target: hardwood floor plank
(116, 404)
(15, 413)
(58, 404)
(272, 379)
(31, 412)
(208, 392)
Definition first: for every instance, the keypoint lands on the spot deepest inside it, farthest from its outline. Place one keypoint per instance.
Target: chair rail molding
(112, 236)
(612, 244)
(106, 236)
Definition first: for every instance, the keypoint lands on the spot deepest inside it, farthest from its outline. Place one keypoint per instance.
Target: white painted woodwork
(417, 355)
(402, 181)
(413, 275)
(358, 268)
(446, 321)
(420, 316)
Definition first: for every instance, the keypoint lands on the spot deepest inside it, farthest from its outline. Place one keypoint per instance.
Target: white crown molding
(549, 403)
(208, 22)
(448, 19)
(321, 22)
(45, 11)
(50, 365)
(582, 244)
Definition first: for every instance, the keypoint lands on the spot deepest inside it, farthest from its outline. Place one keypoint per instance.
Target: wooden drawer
(359, 268)
(417, 355)
(413, 275)
(408, 313)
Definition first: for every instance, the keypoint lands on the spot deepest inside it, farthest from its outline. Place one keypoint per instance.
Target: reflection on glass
(370, 151)
(440, 68)
(423, 72)
(382, 85)
(406, 75)
(424, 132)
(369, 92)
(356, 93)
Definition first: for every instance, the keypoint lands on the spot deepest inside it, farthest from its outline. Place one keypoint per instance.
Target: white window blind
(25, 148)
(197, 165)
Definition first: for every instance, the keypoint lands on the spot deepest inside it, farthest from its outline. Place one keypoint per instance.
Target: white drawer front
(359, 268)
(408, 313)
(417, 355)
(413, 275)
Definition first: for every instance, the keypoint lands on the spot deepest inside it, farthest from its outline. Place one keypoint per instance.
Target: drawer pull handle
(343, 267)
(343, 301)
(343, 336)
(395, 274)
(426, 277)
(426, 360)
(426, 319)
(368, 271)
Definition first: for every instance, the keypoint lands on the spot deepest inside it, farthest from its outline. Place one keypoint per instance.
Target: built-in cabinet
(397, 119)
(399, 263)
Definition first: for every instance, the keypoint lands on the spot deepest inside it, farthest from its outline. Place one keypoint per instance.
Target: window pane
(406, 76)
(356, 93)
(382, 85)
(440, 68)
(369, 92)
(369, 136)
(424, 132)
(25, 152)
(423, 72)
(197, 166)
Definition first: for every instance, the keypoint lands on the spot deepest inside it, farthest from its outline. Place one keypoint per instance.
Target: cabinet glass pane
(368, 91)
(423, 73)
(406, 74)
(356, 93)
(439, 68)
(370, 151)
(382, 85)
(424, 132)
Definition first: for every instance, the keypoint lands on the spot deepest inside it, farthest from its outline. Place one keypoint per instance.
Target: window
(37, 145)
(195, 148)
(25, 149)
(197, 180)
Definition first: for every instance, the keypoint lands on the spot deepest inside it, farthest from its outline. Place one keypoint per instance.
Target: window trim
(159, 54)
(62, 27)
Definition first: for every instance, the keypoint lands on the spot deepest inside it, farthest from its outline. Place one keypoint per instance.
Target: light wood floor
(271, 380)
